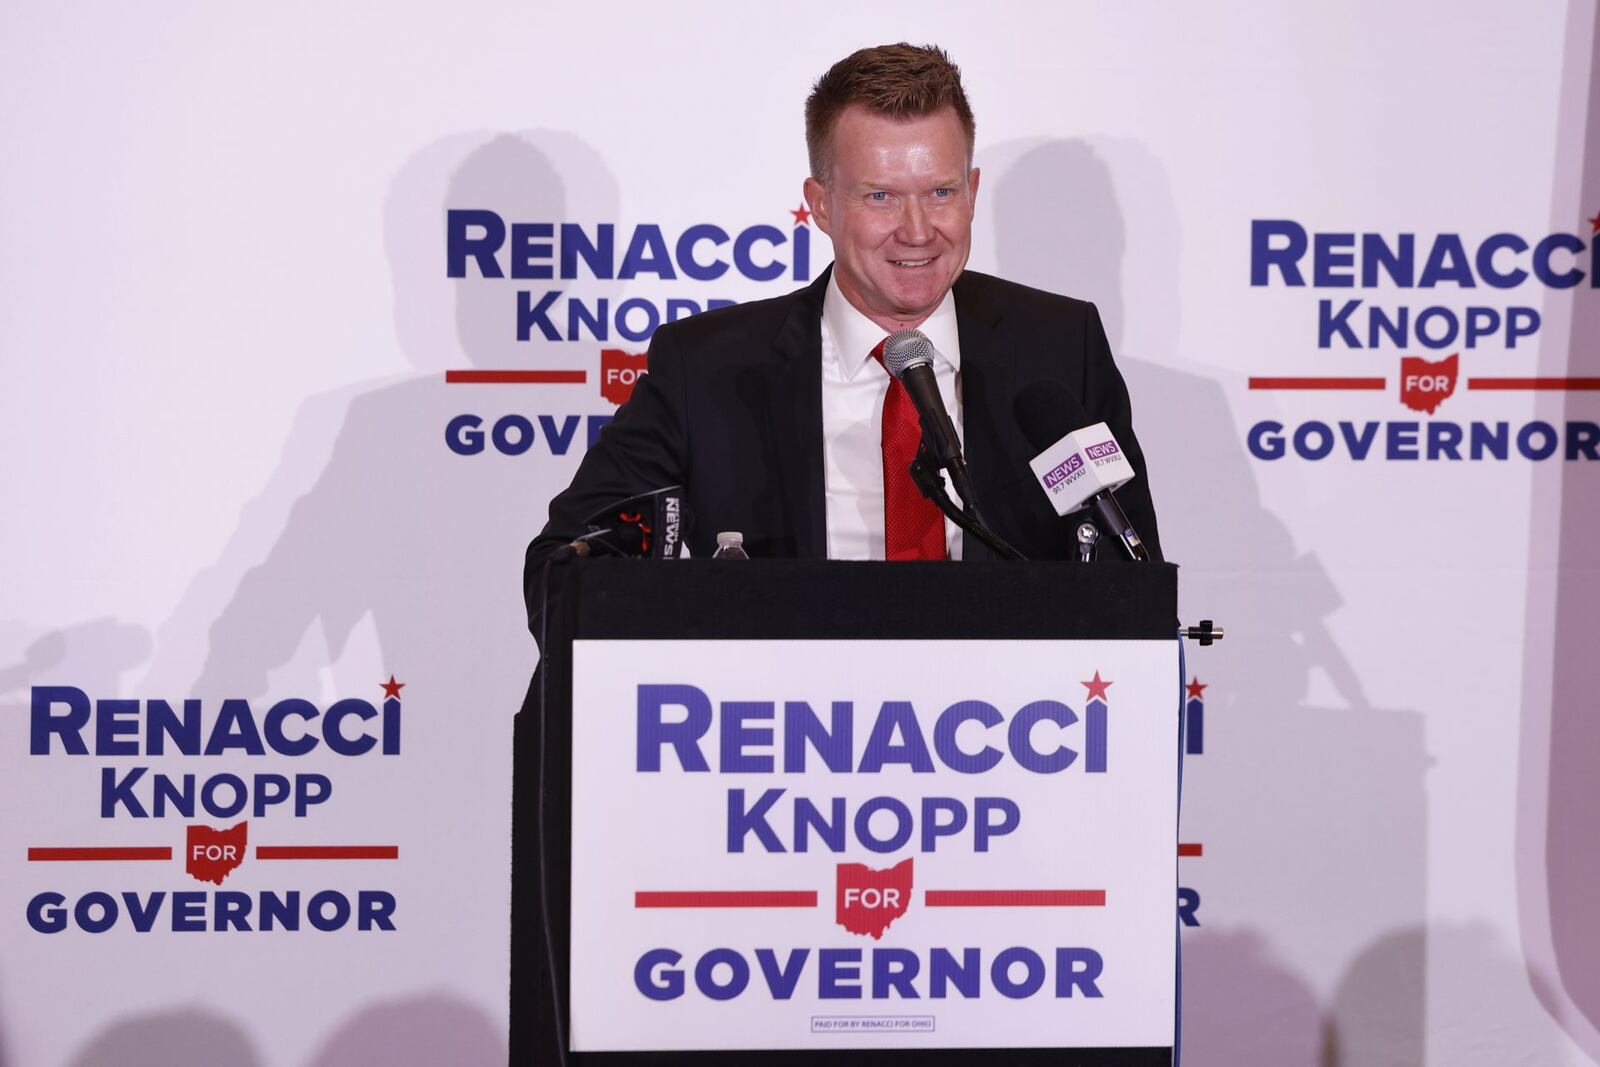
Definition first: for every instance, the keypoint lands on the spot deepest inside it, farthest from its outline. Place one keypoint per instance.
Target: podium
(789, 812)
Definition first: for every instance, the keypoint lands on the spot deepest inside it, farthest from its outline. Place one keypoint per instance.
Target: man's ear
(816, 196)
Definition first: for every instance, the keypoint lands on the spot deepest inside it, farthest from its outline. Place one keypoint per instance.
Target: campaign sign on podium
(880, 844)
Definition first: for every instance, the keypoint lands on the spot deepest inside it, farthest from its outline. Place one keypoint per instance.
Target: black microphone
(1049, 411)
(647, 526)
(908, 356)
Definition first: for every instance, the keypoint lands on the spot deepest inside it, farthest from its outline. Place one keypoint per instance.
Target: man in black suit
(768, 412)
(779, 422)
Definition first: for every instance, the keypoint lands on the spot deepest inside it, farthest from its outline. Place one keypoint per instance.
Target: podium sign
(873, 844)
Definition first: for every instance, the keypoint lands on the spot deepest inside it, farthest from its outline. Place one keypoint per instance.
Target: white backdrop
(225, 323)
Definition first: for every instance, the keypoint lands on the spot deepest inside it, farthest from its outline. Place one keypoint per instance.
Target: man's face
(898, 206)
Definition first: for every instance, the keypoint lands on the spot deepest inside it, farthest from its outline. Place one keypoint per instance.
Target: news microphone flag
(1083, 463)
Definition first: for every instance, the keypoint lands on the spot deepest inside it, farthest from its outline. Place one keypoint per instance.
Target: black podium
(876, 606)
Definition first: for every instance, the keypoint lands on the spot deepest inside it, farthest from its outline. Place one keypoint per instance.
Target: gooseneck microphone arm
(925, 474)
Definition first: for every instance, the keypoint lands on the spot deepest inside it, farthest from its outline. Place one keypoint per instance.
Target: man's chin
(921, 299)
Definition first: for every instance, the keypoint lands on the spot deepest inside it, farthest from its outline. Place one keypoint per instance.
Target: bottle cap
(730, 537)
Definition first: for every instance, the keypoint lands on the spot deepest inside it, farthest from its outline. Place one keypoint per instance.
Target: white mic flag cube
(1081, 464)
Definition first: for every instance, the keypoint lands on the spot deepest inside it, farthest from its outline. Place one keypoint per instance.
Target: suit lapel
(986, 381)
(796, 418)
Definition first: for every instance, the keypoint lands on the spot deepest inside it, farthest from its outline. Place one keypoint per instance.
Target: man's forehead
(923, 145)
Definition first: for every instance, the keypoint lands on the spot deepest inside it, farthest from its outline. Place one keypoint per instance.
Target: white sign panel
(873, 844)
(1081, 464)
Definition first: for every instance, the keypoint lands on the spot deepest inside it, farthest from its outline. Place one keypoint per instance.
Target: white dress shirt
(853, 389)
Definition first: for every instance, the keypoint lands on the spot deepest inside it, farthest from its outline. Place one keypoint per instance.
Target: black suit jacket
(732, 411)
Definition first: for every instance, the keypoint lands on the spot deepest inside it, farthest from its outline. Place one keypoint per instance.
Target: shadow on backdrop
(1558, 857)
(1479, 1011)
(1246, 991)
(96, 656)
(369, 513)
(375, 548)
(1334, 857)
(417, 1030)
(187, 1037)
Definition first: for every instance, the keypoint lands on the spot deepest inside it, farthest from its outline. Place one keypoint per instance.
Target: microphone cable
(544, 837)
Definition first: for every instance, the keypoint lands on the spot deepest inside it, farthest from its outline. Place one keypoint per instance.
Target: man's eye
(941, 193)
(879, 196)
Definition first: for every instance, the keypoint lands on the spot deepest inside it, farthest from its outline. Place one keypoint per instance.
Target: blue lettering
(1492, 274)
(1077, 968)
(782, 982)
(1447, 262)
(654, 731)
(894, 968)
(802, 726)
(667, 984)
(276, 738)
(647, 254)
(1359, 444)
(1286, 256)
(459, 243)
(944, 736)
(46, 914)
(839, 968)
(943, 971)
(902, 830)
(43, 722)
(692, 268)
(743, 245)
(737, 734)
(1329, 324)
(1329, 252)
(525, 248)
(1021, 737)
(1265, 440)
(598, 255)
(995, 817)
(742, 822)
(705, 974)
(1541, 261)
(464, 435)
(530, 315)
(1033, 973)
(896, 716)
(1401, 439)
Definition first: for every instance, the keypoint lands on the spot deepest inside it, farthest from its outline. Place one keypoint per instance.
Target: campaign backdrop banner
(307, 310)
(817, 844)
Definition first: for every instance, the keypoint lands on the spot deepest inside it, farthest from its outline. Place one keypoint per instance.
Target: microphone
(908, 357)
(647, 526)
(1079, 464)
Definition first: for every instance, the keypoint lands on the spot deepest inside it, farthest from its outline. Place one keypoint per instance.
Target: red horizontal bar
(327, 852)
(731, 899)
(1015, 898)
(516, 377)
(1318, 383)
(1565, 384)
(1190, 848)
(72, 855)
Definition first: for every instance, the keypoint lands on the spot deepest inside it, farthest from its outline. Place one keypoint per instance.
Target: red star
(1595, 222)
(391, 688)
(802, 216)
(1195, 689)
(1097, 688)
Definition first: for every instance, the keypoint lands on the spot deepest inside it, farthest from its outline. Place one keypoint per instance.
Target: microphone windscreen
(904, 349)
(1047, 411)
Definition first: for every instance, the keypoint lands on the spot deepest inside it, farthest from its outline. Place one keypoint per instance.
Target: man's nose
(914, 228)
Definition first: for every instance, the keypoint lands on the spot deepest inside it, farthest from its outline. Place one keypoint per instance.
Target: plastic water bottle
(730, 545)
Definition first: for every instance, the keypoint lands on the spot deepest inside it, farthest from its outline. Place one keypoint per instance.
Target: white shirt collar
(855, 336)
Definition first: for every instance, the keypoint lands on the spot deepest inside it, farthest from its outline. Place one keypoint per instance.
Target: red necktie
(913, 526)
